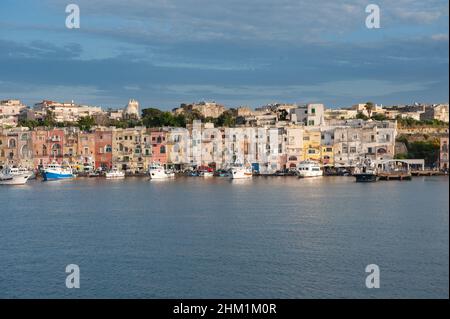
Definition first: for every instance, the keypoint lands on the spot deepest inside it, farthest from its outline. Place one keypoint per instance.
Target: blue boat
(56, 171)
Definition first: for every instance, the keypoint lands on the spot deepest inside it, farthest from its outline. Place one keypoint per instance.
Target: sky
(234, 52)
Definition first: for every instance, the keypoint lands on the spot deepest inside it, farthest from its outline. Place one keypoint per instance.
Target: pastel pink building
(159, 146)
(47, 146)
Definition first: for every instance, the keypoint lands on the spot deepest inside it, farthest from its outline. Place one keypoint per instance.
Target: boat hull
(14, 180)
(239, 174)
(366, 178)
(56, 176)
(310, 174)
(115, 176)
(160, 174)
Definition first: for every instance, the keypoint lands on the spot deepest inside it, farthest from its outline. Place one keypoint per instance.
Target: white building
(10, 111)
(309, 115)
(64, 112)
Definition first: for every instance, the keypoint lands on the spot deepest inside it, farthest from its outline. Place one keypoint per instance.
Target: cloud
(165, 51)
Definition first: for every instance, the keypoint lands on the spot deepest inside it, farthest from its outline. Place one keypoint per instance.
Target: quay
(387, 176)
(427, 173)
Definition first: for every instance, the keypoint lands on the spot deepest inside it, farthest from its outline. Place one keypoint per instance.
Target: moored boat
(241, 172)
(114, 173)
(56, 171)
(14, 176)
(365, 172)
(309, 169)
(157, 171)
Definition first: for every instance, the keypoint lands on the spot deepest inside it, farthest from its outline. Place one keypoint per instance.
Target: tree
(29, 123)
(369, 108)
(49, 119)
(362, 116)
(227, 118)
(194, 115)
(151, 117)
(86, 123)
(379, 117)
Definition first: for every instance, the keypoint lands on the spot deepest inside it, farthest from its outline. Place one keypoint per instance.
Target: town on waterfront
(224, 150)
(207, 138)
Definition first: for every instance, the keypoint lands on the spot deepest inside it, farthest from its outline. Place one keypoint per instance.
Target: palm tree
(369, 107)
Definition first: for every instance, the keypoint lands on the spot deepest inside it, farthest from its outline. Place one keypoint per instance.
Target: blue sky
(165, 52)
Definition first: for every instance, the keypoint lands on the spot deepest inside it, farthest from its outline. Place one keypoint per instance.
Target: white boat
(114, 174)
(14, 176)
(241, 172)
(56, 171)
(309, 169)
(205, 174)
(157, 171)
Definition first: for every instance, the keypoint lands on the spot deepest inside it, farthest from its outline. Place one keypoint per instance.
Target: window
(313, 111)
(311, 122)
(162, 149)
(108, 148)
(12, 143)
(352, 149)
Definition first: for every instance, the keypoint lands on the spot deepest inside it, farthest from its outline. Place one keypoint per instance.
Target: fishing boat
(114, 173)
(157, 171)
(14, 176)
(56, 171)
(309, 169)
(365, 172)
(205, 171)
(241, 172)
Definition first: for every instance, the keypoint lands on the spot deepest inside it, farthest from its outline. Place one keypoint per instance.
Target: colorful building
(103, 149)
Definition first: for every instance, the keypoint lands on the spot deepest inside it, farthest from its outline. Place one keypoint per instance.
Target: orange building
(103, 149)
(48, 145)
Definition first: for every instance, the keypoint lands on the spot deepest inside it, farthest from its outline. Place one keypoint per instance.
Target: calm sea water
(277, 237)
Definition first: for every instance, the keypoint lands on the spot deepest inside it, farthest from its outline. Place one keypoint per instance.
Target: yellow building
(327, 157)
(311, 145)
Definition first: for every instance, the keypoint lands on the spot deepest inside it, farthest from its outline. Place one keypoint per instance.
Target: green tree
(29, 123)
(86, 123)
(49, 119)
(362, 116)
(227, 118)
(379, 117)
